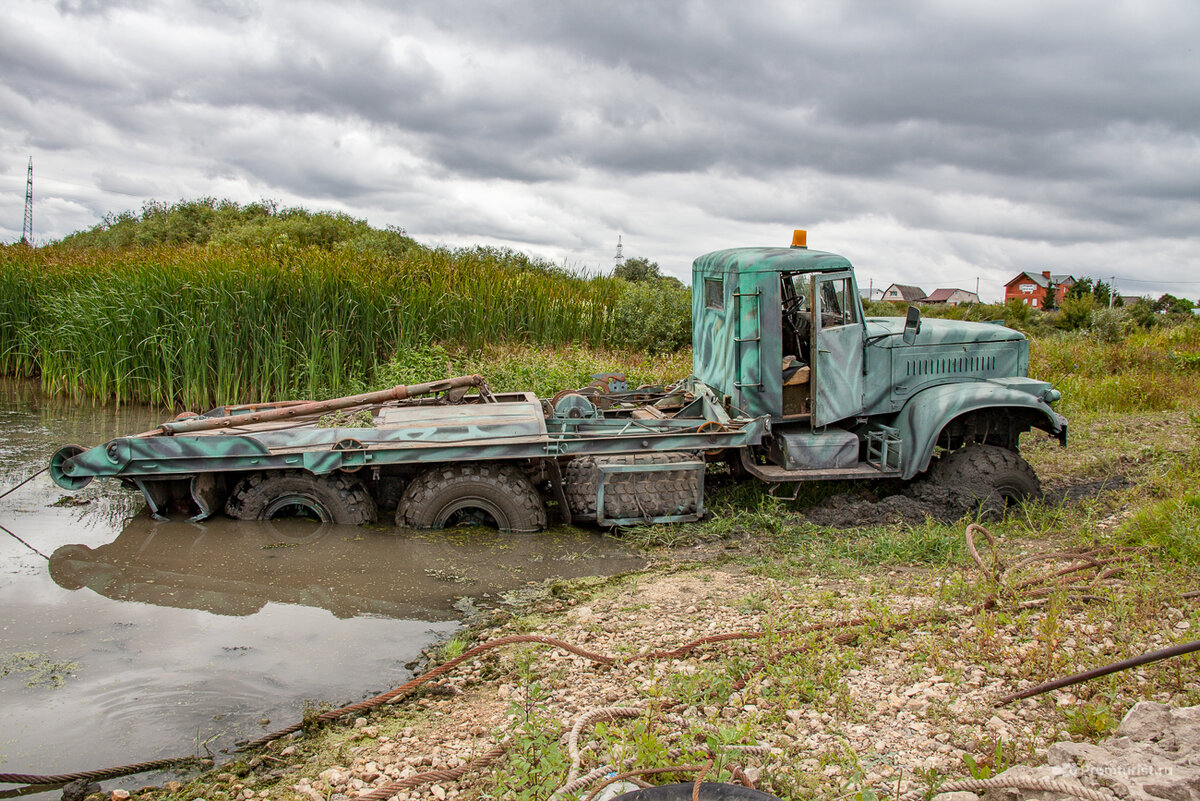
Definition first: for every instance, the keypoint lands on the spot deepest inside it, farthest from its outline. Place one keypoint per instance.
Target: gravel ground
(891, 712)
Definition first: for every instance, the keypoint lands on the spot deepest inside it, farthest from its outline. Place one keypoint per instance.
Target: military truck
(791, 383)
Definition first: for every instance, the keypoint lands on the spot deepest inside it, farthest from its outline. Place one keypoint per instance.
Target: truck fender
(929, 411)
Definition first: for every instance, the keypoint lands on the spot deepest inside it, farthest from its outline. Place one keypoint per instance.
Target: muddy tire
(985, 478)
(335, 498)
(632, 495)
(478, 493)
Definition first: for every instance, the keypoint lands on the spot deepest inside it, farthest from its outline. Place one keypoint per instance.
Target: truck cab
(780, 332)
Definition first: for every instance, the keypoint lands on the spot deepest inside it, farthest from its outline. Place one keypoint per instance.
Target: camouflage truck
(791, 383)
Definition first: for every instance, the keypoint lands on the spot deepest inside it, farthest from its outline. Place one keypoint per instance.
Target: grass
(191, 326)
(1149, 370)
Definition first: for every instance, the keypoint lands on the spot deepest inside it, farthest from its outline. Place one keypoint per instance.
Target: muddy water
(125, 639)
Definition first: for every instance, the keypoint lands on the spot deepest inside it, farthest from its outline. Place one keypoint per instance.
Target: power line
(1161, 281)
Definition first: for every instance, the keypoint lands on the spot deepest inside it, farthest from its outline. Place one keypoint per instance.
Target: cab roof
(768, 260)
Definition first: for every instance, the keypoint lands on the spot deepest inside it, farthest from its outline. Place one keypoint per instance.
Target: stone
(1154, 756)
(79, 790)
(962, 795)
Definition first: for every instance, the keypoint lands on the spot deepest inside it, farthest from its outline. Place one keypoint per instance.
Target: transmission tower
(619, 259)
(27, 229)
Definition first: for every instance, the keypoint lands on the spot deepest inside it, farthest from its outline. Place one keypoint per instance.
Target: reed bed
(194, 326)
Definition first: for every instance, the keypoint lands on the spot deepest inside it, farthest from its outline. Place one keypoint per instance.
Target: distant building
(1030, 288)
(951, 297)
(903, 293)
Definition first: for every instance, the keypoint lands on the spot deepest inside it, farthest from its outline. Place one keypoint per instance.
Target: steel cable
(11, 490)
(386, 791)
(91, 775)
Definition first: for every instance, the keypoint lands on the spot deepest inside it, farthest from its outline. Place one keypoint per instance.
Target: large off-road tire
(335, 498)
(985, 478)
(472, 493)
(632, 495)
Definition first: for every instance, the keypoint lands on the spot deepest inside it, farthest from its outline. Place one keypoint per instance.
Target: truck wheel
(630, 495)
(986, 477)
(335, 498)
(497, 495)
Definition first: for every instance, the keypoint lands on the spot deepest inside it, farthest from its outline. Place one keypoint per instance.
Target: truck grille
(958, 365)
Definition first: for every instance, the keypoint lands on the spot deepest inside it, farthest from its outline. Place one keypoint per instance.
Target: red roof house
(951, 297)
(1030, 288)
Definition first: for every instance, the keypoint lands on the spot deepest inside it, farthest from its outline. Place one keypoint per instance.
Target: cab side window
(837, 303)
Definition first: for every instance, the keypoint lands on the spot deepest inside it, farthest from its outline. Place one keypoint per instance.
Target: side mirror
(912, 325)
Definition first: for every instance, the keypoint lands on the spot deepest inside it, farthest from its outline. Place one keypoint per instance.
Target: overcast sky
(933, 143)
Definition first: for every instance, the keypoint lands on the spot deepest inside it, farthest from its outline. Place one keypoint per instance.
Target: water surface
(125, 639)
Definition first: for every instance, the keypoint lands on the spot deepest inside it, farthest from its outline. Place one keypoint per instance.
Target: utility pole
(27, 228)
(1112, 290)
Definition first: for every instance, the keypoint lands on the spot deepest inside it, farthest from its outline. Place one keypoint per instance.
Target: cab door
(837, 348)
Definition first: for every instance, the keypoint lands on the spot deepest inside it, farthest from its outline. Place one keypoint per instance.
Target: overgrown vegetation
(196, 325)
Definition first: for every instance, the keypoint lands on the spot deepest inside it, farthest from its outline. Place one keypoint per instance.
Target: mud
(926, 500)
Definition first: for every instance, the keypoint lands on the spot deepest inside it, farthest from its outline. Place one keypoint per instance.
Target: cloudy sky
(935, 143)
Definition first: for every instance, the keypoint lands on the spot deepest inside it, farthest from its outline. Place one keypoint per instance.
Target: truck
(791, 383)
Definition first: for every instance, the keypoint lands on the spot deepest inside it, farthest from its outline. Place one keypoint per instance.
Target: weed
(991, 765)
(1091, 720)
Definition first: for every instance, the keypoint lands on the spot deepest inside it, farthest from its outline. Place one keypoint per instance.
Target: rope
(386, 791)
(90, 775)
(584, 780)
(652, 772)
(585, 720)
(1019, 783)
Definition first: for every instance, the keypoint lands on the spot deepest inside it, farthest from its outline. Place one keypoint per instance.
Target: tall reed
(194, 326)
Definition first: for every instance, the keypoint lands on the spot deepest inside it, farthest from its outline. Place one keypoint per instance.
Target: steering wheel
(796, 319)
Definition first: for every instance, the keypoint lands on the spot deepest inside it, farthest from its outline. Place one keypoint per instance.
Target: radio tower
(27, 229)
(618, 260)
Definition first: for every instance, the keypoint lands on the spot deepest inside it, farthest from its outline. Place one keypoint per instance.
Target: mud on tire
(631, 495)
(479, 493)
(335, 498)
(986, 478)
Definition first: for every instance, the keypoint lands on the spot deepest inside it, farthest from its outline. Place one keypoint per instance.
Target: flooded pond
(124, 639)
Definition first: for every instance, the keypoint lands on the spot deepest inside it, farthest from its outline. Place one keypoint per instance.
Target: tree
(637, 269)
(1080, 288)
(1050, 296)
(1102, 292)
(1169, 304)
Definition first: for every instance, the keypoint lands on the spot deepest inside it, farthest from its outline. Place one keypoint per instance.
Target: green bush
(1110, 325)
(654, 317)
(1076, 312)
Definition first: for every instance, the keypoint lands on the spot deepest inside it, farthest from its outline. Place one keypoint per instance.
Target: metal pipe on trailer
(396, 393)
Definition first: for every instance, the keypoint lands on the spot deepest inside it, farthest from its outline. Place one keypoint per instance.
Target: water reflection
(232, 567)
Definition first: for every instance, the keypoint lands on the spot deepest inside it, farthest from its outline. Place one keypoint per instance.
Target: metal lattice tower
(27, 229)
(619, 259)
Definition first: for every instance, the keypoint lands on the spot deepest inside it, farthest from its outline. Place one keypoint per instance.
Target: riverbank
(902, 701)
